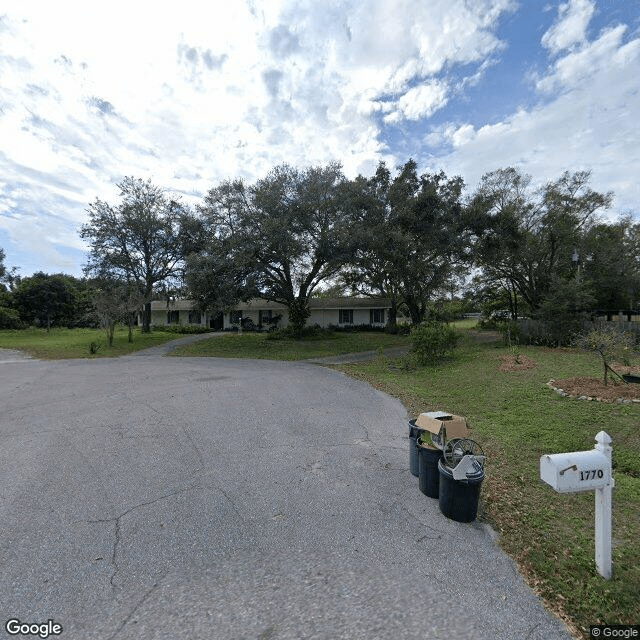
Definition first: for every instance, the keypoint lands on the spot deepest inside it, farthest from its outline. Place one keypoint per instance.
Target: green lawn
(60, 343)
(516, 418)
(258, 345)
(467, 323)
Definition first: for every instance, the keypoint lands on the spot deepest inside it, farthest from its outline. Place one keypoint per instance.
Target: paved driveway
(192, 498)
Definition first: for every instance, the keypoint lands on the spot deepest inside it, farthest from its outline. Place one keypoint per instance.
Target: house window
(173, 317)
(376, 316)
(235, 317)
(346, 316)
(264, 317)
(194, 317)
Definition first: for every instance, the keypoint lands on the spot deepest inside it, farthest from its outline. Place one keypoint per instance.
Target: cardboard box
(446, 425)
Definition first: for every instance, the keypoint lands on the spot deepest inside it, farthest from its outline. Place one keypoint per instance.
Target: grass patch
(258, 345)
(61, 343)
(516, 418)
(465, 324)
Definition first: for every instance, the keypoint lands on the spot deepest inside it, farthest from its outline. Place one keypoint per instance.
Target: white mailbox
(576, 471)
(584, 471)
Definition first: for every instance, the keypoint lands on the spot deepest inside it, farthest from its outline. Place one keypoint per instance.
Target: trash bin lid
(471, 476)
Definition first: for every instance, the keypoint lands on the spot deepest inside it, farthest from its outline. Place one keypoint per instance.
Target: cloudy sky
(190, 93)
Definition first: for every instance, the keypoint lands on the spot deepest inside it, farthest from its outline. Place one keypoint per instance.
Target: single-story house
(324, 312)
(180, 311)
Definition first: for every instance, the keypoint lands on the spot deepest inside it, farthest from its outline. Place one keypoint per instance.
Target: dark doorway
(216, 322)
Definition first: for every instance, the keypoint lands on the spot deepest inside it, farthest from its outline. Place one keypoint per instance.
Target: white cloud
(421, 101)
(463, 135)
(192, 94)
(571, 26)
(593, 59)
(590, 124)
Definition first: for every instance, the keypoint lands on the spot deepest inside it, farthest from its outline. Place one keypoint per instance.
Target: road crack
(135, 609)
(117, 520)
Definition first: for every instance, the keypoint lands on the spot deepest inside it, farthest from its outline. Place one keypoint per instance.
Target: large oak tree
(413, 237)
(529, 242)
(278, 238)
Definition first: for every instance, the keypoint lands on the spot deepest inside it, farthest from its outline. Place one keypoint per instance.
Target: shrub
(398, 329)
(9, 319)
(290, 332)
(94, 347)
(432, 341)
(352, 328)
(181, 329)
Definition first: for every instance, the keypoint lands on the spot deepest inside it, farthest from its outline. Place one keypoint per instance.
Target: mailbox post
(585, 471)
(603, 513)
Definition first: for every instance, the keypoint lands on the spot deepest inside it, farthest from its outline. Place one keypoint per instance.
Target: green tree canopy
(279, 238)
(45, 300)
(609, 263)
(413, 236)
(139, 239)
(527, 241)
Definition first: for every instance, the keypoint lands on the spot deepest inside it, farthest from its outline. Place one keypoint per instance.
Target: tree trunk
(393, 313)
(416, 311)
(146, 318)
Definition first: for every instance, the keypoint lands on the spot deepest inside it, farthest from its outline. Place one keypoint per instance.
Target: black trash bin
(428, 474)
(414, 434)
(459, 498)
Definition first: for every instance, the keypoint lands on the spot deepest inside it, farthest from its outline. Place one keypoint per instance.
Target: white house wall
(159, 318)
(326, 317)
(323, 317)
(254, 315)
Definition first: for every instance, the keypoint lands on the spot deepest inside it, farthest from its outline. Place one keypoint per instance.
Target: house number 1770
(591, 474)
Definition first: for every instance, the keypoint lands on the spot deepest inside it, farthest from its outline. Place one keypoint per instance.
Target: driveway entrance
(161, 497)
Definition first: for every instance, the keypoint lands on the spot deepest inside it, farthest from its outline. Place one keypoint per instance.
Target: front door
(216, 322)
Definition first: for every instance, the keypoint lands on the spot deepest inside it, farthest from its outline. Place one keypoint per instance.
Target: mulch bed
(582, 387)
(516, 363)
(595, 389)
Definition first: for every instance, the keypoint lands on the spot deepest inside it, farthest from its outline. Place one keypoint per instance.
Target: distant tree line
(294, 234)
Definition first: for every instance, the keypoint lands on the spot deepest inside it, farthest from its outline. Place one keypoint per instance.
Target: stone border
(564, 394)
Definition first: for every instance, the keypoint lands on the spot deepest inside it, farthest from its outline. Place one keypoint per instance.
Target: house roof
(321, 303)
(180, 304)
(183, 304)
(349, 303)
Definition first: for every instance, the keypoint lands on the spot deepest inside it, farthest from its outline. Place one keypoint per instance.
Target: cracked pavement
(202, 498)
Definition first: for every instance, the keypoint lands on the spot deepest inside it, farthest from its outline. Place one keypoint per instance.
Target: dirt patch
(516, 363)
(595, 389)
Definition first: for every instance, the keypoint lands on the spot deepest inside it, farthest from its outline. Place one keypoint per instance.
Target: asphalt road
(194, 498)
